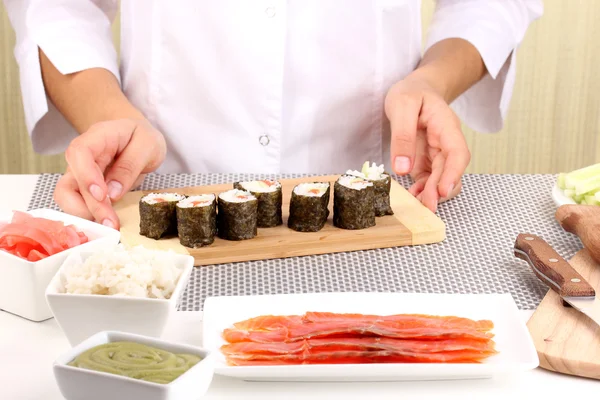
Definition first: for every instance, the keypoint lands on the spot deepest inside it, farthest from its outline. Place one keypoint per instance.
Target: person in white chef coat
(267, 86)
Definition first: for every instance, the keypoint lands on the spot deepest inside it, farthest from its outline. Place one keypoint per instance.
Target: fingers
(430, 196)
(457, 161)
(427, 142)
(84, 168)
(421, 166)
(104, 163)
(89, 154)
(404, 116)
(125, 172)
(68, 198)
(452, 194)
(85, 181)
(87, 157)
(417, 187)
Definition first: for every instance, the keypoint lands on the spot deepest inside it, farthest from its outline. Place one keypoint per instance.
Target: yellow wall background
(553, 124)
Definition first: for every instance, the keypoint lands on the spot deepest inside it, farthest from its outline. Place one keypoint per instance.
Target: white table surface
(27, 350)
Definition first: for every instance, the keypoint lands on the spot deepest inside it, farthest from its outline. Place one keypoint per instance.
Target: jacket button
(264, 140)
(270, 11)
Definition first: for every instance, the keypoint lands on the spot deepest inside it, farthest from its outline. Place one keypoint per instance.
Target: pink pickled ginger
(34, 238)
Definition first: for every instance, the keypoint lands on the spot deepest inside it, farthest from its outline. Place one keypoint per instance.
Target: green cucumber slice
(576, 178)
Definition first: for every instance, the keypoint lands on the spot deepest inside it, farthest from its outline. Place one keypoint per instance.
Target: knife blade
(558, 274)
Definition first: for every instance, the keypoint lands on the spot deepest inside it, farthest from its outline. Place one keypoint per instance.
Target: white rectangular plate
(516, 350)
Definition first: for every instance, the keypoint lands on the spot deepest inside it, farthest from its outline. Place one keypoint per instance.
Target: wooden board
(566, 340)
(411, 224)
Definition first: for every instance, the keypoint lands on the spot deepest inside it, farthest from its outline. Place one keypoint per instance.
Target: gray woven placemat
(482, 224)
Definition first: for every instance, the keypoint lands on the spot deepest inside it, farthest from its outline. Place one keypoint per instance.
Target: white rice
(354, 182)
(264, 186)
(237, 196)
(304, 189)
(372, 172)
(117, 271)
(202, 200)
(154, 198)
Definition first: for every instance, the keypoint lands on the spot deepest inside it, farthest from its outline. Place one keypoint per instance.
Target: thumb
(403, 123)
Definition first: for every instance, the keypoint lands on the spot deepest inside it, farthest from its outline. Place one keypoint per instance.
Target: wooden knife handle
(551, 268)
(584, 221)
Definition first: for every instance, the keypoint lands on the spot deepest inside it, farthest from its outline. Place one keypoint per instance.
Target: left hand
(427, 141)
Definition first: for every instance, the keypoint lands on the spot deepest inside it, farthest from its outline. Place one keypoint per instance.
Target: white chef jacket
(263, 86)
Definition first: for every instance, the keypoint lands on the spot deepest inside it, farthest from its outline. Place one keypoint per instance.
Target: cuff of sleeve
(50, 132)
(84, 49)
(494, 50)
(484, 106)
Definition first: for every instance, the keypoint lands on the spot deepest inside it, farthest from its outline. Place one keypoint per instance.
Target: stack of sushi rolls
(197, 220)
(270, 199)
(353, 203)
(237, 215)
(309, 206)
(158, 217)
(382, 182)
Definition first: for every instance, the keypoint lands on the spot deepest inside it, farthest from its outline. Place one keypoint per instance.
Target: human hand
(426, 140)
(104, 163)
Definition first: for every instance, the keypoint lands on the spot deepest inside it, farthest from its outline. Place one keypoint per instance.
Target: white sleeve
(75, 35)
(496, 28)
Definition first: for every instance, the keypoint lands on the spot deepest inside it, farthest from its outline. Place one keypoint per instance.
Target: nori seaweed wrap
(158, 217)
(197, 220)
(309, 207)
(353, 203)
(270, 199)
(237, 215)
(382, 195)
(382, 182)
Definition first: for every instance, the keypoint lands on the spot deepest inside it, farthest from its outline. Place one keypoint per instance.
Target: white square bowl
(23, 283)
(83, 315)
(77, 383)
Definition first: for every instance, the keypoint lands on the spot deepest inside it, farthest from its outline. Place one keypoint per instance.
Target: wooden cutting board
(566, 340)
(411, 224)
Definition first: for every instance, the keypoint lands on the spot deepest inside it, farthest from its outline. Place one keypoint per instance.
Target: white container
(77, 383)
(83, 315)
(23, 283)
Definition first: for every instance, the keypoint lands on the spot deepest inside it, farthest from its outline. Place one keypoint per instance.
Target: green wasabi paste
(136, 361)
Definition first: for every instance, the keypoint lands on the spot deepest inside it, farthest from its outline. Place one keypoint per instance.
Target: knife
(558, 274)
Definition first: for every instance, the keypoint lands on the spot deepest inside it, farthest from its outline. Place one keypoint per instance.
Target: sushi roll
(270, 200)
(197, 220)
(158, 217)
(353, 203)
(382, 182)
(237, 216)
(309, 206)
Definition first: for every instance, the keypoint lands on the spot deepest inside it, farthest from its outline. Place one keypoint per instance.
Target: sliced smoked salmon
(268, 321)
(402, 320)
(330, 338)
(358, 344)
(295, 332)
(276, 321)
(348, 359)
(365, 356)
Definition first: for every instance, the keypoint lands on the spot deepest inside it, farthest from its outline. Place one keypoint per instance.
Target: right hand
(427, 140)
(104, 163)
